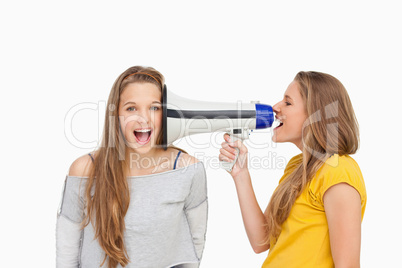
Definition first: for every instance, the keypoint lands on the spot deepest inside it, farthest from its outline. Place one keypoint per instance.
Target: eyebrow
(287, 96)
(132, 102)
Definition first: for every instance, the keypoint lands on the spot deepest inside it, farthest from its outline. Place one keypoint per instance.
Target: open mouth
(278, 123)
(143, 135)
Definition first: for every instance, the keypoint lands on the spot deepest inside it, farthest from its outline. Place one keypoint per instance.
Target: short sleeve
(72, 204)
(338, 169)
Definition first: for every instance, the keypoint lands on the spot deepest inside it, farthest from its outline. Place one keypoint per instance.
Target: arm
(342, 205)
(69, 218)
(68, 236)
(197, 221)
(196, 211)
(253, 217)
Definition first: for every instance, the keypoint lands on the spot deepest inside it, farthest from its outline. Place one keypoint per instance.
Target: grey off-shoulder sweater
(165, 223)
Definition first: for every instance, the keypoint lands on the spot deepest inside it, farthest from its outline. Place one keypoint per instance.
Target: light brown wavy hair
(107, 191)
(331, 128)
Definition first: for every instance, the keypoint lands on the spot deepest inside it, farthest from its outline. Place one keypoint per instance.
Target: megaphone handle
(229, 165)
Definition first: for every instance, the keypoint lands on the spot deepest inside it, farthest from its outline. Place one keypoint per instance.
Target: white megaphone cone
(183, 117)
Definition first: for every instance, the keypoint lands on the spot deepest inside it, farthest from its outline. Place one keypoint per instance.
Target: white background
(55, 55)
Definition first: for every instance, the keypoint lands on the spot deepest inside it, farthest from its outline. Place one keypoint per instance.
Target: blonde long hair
(107, 191)
(331, 128)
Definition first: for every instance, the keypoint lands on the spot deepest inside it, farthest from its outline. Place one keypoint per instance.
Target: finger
(224, 158)
(226, 137)
(228, 148)
(231, 155)
(231, 144)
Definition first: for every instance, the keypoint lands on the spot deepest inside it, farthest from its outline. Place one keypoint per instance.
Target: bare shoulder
(81, 167)
(186, 160)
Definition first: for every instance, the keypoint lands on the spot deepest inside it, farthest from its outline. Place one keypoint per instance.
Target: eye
(287, 103)
(130, 109)
(154, 108)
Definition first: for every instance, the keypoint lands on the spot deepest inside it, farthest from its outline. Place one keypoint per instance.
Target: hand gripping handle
(235, 135)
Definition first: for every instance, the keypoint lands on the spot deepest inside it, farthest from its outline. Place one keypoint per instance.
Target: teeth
(142, 130)
(276, 123)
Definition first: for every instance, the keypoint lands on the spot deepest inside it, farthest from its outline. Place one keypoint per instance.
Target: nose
(143, 117)
(277, 108)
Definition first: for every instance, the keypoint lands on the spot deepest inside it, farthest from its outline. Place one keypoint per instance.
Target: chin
(143, 149)
(275, 139)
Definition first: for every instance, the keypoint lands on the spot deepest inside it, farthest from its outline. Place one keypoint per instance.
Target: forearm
(253, 217)
(68, 235)
(197, 220)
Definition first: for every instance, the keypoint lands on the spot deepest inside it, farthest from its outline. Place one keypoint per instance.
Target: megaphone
(183, 117)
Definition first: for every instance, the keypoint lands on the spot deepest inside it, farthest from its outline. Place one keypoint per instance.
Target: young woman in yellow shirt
(314, 216)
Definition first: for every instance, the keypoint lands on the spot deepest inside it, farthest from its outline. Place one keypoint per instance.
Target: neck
(299, 144)
(143, 159)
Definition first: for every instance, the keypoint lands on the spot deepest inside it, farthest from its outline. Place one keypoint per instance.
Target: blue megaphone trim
(264, 114)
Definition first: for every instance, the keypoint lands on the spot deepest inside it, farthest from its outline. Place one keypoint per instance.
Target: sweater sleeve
(68, 227)
(196, 209)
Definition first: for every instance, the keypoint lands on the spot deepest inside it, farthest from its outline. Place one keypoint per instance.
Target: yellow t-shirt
(304, 239)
